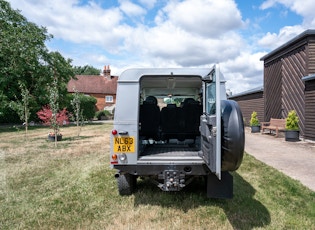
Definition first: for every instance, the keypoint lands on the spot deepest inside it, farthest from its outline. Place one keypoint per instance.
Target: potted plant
(52, 136)
(50, 114)
(254, 123)
(54, 121)
(292, 132)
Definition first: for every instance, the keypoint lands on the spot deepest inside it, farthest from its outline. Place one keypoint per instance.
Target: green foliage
(86, 70)
(56, 67)
(54, 106)
(292, 121)
(3, 103)
(22, 48)
(176, 100)
(254, 120)
(77, 112)
(24, 59)
(9, 115)
(103, 113)
(88, 106)
(22, 107)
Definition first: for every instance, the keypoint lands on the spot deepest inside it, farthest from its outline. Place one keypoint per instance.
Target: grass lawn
(73, 187)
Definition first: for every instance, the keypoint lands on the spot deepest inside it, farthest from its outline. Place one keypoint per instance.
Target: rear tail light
(114, 132)
(114, 157)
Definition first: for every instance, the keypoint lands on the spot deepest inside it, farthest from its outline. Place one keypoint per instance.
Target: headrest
(171, 105)
(190, 101)
(151, 100)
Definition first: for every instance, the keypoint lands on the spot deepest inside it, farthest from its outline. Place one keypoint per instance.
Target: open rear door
(210, 121)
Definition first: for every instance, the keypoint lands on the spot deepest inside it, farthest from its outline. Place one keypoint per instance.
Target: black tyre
(126, 184)
(233, 136)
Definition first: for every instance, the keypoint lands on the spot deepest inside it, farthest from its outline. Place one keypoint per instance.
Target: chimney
(106, 72)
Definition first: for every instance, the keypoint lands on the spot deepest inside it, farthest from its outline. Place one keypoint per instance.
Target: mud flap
(220, 188)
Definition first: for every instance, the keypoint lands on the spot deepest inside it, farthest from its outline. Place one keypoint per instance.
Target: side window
(109, 99)
(210, 98)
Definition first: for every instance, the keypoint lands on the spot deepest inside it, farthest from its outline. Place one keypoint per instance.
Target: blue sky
(172, 33)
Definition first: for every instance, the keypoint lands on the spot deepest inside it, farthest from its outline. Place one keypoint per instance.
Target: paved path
(295, 159)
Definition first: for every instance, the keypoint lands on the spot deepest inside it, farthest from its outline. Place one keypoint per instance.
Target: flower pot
(52, 137)
(292, 135)
(255, 129)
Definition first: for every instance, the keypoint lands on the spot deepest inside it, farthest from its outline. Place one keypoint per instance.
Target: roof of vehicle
(134, 75)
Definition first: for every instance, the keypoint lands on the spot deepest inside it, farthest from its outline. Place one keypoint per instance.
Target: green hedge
(87, 105)
(103, 114)
(7, 115)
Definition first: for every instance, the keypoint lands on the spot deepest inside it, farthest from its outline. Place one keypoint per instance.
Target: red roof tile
(93, 84)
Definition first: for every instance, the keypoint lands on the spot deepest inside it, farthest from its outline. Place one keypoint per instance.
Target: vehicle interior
(169, 116)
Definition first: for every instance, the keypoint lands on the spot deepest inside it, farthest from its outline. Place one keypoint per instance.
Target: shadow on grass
(19, 128)
(63, 140)
(75, 138)
(243, 211)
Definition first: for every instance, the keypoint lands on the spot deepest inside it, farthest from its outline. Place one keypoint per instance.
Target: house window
(109, 99)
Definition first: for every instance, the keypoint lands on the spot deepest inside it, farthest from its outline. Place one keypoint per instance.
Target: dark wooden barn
(249, 101)
(289, 84)
(284, 88)
(309, 107)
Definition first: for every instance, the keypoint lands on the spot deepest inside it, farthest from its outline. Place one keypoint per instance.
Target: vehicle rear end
(157, 130)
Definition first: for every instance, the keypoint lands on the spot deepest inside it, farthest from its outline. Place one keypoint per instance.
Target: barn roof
(251, 91)
(288, 44)
(309, 78)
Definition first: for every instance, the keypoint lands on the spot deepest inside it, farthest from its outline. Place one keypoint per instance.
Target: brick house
(103, 87)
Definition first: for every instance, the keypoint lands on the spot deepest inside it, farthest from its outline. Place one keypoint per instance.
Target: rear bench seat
(171, 122)
(149, 118)
(192, 111)
(181, 122)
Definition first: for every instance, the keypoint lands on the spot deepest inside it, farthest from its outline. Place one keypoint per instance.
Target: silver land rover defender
(172, 125)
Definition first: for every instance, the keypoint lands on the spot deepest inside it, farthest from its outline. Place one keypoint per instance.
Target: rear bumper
(158, 169)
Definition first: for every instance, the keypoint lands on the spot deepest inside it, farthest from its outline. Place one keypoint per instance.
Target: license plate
(124, 144)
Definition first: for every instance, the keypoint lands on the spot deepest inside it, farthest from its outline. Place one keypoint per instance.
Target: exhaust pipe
(117, 175)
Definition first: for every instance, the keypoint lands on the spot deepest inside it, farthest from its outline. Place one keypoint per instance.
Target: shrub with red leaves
(46, 115)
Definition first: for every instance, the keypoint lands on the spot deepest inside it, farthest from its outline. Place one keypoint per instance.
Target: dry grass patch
(73, 187)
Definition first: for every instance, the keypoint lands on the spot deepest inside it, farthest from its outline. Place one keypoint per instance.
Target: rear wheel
(127, 184)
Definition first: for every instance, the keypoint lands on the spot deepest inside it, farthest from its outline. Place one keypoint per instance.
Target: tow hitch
(173, 180)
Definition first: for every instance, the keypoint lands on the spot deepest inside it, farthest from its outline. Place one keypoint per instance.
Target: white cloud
(131, 9)
(174, 44)
(268, 4)
(186, 33)
(202, 17)
(274, 40)
(148, 3)
(72, 22)
(243, 73)
(191, 33)
(304, 8)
